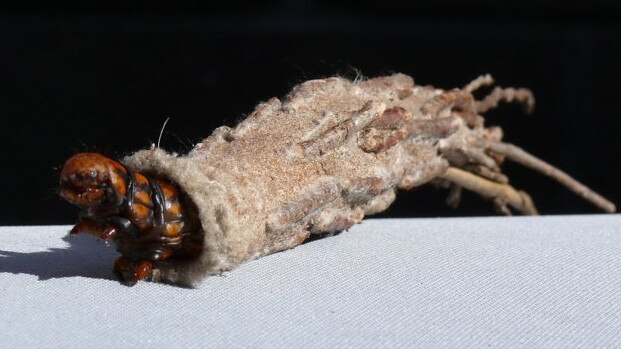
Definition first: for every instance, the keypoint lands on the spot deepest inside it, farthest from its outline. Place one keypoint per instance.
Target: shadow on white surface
(82, 257)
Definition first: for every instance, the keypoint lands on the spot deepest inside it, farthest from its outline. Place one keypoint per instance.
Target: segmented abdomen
(154, 207)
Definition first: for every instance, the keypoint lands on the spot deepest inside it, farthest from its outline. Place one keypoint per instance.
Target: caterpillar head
(91, 179)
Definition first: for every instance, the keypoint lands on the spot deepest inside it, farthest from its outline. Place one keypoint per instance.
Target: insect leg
(502, 194)
(99, 230)
(130, 272)
(528, 160)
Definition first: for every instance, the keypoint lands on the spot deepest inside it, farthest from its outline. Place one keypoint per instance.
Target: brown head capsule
(91, 179)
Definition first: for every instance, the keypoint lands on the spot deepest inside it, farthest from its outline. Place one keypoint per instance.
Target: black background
(103, 76)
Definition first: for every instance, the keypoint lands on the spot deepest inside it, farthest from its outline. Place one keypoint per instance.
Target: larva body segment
(332, 152)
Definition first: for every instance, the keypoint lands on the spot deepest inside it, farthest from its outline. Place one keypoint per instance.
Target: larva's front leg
(131, 271)
(102, 231)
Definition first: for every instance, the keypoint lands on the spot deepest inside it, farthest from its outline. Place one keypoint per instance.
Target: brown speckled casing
(332, 152)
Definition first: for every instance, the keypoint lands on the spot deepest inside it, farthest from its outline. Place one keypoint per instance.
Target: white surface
(477, 282)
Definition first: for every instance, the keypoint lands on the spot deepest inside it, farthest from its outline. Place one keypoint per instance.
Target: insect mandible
(332, 152)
